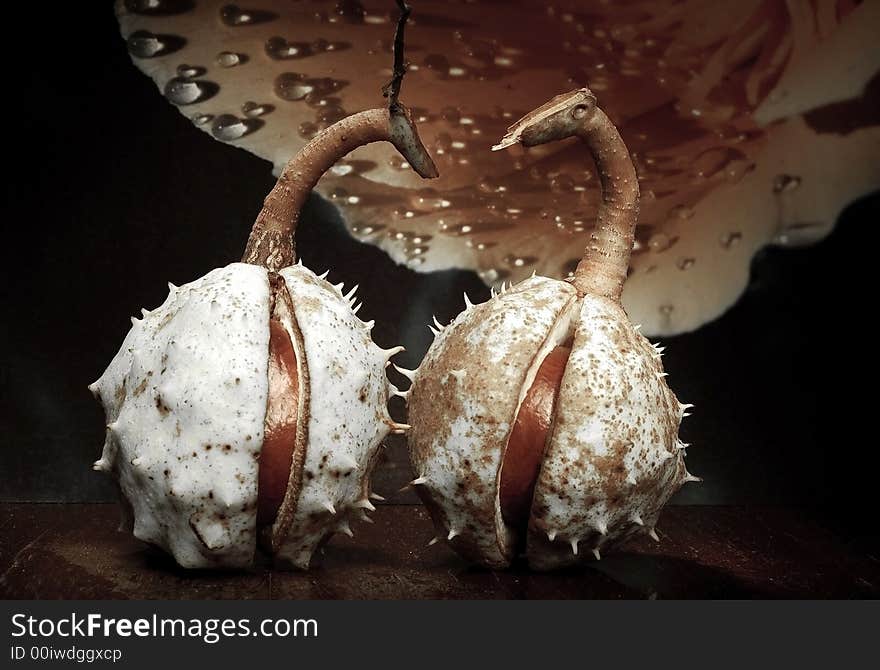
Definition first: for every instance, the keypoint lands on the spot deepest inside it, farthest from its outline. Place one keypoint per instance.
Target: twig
(391, 90)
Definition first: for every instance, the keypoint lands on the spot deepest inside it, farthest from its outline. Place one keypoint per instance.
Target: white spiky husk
(612, 459)
(185, 401)
(190, 379)
(348, 418)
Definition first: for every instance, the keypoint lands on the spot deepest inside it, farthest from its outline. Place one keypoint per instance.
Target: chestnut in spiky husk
(251, 405)
(541, 421)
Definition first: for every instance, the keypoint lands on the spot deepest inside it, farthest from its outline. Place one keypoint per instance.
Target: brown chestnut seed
(541, 419)
(525, 448)
(279, 434)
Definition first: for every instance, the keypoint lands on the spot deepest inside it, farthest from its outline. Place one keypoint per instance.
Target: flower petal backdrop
(750, 124)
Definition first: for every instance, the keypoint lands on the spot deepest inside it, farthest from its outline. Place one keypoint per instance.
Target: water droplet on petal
(278, 48)
(201, 119)
(183, 91)
(784, 183)
(228, 127)
(252, 109)
(800, 233)
(685, 263)
(235, 16)
(307, 130)
(293, 86)
(519, 261)
(158, 7)
(190, 71)
(290, 86)
(660, 241)
(230, 59)
(681, 212)
(730, 239)
(144, 44)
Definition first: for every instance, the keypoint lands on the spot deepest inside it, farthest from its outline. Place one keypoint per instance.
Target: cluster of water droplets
(317, 93)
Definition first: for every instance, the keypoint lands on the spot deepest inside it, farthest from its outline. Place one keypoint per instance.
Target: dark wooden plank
(391, 559)
(73, 551)
(740, 552)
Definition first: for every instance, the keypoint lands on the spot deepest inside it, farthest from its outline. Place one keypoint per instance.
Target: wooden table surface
(73, 551)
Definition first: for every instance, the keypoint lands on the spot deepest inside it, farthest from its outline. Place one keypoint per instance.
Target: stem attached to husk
(271, 242)
(603, 268)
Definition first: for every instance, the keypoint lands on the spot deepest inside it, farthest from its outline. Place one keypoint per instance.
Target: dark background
(111, 193)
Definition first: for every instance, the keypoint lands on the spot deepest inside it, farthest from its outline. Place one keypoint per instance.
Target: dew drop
(519, 261)
(144, 44)
(289, 86)
(230, 59)
(278, 48)
(307, 130)
(201, 119)
(183, 91)
(398, 163)
(228, 127)
(330, 114)
(158, 7)
(342, 169)
(293, 86)
(681, 212)
(659, 242)
(784, 183)
(458, 229)
(730, 239)
(685, 263)
(190, 71)
(252, 109)
(235, 16)
(800, 233)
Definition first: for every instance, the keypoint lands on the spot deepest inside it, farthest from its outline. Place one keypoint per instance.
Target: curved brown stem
(391, 90)
(271, 242)
(603, 268)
